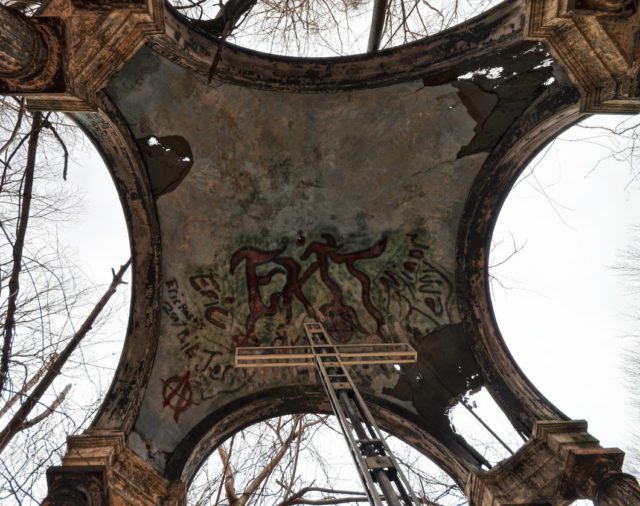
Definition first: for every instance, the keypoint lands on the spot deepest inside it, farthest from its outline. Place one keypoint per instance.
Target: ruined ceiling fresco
(342, 207)
(261, 191)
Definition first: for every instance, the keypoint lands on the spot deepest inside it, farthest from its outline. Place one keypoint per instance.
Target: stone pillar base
(561, 462)
(99, 470)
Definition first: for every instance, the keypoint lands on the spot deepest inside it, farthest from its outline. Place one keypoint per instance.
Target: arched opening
(74, 235)
(325, 29)
(564, 306)
(298, 458)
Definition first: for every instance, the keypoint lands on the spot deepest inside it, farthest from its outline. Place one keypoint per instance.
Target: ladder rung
(363, 442)
(380, 462)
(341, 385)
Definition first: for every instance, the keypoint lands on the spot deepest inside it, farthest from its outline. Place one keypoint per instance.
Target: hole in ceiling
(478, 419)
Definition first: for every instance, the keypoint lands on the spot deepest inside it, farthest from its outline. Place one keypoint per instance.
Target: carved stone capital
(597, 43)
(618, 489)
(125, 478)
(30, 53)
(77, 486)
(560, 463)
(87, 41)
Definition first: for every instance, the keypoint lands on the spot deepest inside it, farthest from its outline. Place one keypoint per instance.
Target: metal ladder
(374, 461)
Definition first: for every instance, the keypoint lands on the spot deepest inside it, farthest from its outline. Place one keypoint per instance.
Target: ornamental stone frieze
(596, 42)
(99, 470)
(74, 47)
(561, 462)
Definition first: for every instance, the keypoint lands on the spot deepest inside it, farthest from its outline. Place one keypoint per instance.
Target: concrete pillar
(22, 49)
(618, 489)
(99, 470)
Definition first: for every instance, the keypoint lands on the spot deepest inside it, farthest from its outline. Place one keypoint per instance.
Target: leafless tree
(325, 27)
(629, 269)
(42, 303)
(302, 459)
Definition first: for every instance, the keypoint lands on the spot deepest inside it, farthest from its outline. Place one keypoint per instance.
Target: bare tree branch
(18, 246)
(16, 424)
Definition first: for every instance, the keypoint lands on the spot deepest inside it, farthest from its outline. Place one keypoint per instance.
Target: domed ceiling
(345, 206)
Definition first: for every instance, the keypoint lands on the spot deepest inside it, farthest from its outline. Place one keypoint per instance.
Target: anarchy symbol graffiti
(177, 394)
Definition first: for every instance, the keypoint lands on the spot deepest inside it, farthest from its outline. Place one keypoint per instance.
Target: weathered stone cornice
(560, 463)
(92, 42)
(97, 465)
(596, 41)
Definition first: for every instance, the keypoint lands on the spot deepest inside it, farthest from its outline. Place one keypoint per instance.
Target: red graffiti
(177, 394)
(207, 286)
(340, 316)
(337, 313)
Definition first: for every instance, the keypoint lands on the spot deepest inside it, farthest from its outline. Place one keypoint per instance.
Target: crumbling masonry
(362, 190)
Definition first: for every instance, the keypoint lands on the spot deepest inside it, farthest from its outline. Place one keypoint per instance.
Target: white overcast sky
(566, 313)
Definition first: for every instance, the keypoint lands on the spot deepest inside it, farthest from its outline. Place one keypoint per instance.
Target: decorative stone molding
(596, 42)
(98, 469)
(619, 489)
(560, 463)
(94, 40)
(30, 53)
(77, 486)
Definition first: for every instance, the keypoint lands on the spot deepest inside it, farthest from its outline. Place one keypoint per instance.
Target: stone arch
(109, 133)
(221, 424)
(494, 30)
(516, 395)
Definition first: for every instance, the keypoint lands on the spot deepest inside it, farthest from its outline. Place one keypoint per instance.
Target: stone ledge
(596, 42)
(560, 463)
(126, 479)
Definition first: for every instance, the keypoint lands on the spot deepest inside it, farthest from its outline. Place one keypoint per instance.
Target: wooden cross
(374, 461)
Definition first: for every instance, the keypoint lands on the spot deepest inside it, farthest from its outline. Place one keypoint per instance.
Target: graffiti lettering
(178, 312)
(357, 291)
(209, 288)
(342, 317)
(422, 289)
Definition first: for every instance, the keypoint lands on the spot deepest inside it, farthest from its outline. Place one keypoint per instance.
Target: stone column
(22, 48)
(65, 55)
(31, 59)
(561, 462)
(99, 470)
(597, 42)
(618, 489)
(77, 486)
